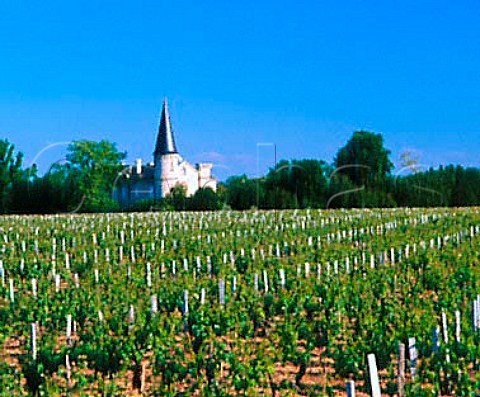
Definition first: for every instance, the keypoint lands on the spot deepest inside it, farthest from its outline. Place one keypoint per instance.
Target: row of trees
(80, 183)
(360, 176)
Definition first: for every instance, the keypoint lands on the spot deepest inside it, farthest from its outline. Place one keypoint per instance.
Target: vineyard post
(132, 254)
(435, 340)
(412, 350)
(185, 310)
(153, 304)
(445, 334)
(476, 314)
(209, 267)
(401, 368)
(12, 295)
(2, 273)
(57, 282)
(69, 330)
(68, 368)
(34, 287)
(221, 292)
(148, 274)
(265, 281)
(350, 387)
(33, 340)
(478, 311)
(131, 317)
(457, 326)
(199, 265)
(374, 382)
(476, 322)
(185, 302)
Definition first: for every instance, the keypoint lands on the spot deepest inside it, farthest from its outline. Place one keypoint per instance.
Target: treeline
(450, 186)
(360, 176)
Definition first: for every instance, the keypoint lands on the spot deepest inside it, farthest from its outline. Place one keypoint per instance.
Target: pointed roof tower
(165, 141)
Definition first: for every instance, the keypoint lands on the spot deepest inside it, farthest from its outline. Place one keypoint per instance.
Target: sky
(242, 78)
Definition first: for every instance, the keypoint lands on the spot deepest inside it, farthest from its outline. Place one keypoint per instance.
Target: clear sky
(301, 74)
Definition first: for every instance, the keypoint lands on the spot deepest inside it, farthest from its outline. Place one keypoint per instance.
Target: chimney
(138, 166)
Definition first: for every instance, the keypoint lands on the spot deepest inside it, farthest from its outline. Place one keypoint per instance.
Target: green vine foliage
(315, 292)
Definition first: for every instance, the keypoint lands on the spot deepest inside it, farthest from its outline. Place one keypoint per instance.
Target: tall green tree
(205, 199)
(10, 171)
(364, 159)
(244, 193)
(304, 182)
(95, 165)
(177, 198)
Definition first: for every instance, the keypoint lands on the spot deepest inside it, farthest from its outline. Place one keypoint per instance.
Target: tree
(10, 171)
(205, 199)
(95, 165)
(302, 183)
(244, 193)
(364, 159)
(177, 197)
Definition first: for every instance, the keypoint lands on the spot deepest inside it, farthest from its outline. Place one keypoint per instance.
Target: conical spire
(165, 141)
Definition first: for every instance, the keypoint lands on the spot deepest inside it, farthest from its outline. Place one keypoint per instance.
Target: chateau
(168, 169)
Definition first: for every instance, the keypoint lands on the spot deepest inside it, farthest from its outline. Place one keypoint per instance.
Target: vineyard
(259, 303)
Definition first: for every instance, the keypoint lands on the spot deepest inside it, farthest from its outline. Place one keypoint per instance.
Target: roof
(147, 173)
(165, 140)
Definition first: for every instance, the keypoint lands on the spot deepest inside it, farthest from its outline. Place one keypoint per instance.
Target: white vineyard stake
(372, 369)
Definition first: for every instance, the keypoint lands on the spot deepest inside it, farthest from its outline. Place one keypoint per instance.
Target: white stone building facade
(169, 169)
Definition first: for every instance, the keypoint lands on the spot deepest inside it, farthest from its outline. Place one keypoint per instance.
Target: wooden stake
(401, 369)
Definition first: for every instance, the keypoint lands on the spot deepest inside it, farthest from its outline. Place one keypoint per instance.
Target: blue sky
(303, 75)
